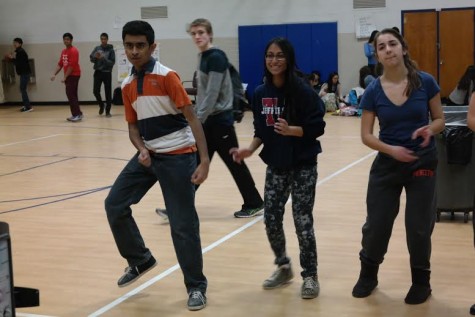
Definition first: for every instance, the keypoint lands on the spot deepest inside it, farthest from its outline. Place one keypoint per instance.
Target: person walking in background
(214, 108)
(22, 67)
(69, 61)
(288, 119)
(103, 57)
(369, 52)
(471, 125)
(165, 131)
(408, 107)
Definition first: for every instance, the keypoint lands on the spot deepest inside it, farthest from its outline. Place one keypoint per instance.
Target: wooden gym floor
(54, 176)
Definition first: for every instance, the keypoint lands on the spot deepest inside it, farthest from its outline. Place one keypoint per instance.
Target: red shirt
(70, 58)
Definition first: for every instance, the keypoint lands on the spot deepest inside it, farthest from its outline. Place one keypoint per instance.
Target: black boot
(472, 310)
(420, 289)
(367, 281)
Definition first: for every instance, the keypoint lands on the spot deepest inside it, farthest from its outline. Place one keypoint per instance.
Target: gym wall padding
(315, 44)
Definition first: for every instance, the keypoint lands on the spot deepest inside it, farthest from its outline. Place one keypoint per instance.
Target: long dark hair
(371, 37)
(413, 79)
(291, 76)
(467, 78)
(331, 87)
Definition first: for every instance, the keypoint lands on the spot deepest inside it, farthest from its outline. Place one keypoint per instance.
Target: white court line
(29, 315)
(210, 247)
(171, 270)
(30, 140)
(50, 136)
(346, 168)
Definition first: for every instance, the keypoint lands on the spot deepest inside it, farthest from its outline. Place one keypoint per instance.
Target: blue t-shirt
(397, 123)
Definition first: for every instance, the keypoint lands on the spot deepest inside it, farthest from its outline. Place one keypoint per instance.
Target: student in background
(366, 77)
(407, 104)
(214, 108)
(315, 80)
(332, 86)
(462, 92)
(22, 67)
(288, 119)
(103, 57)
(69, 61)
(370, 52)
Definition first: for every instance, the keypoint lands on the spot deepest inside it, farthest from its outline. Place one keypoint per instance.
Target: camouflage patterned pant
(279, 184)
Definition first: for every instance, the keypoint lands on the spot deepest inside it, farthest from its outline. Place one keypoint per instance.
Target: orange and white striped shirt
(152, 99)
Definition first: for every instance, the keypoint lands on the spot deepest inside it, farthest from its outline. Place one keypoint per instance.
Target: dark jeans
(301, 183)
(24, 79)
(174, 174)
(72, 83)
(386, 180)
(221, 137)
(106, 78)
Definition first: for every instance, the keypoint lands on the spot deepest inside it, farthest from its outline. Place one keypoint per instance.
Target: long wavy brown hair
(414, 81)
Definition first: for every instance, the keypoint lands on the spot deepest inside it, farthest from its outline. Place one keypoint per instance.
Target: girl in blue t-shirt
(408, 107)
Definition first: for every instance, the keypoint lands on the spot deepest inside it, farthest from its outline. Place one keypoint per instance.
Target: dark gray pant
(106, 78)
(386, 180)
(174, 174)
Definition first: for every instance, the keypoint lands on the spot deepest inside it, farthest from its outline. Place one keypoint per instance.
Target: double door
(441, 42)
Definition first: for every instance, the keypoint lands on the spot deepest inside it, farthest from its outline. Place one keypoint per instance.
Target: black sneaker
(472, 310)
(196, 300)
(132, 273)
(249, 212)
(25, 109)
(101, 109)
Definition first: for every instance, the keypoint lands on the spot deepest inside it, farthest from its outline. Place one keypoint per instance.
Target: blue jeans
(174, 174)
(24, 79)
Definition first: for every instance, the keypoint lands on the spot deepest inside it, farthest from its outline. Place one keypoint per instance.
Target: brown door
(420, 32)
(457, 49)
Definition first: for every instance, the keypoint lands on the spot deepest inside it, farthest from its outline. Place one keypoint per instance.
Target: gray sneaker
(310, 287)
(74, 118)
(249, 212)
(280, 277)
(162, 212)
(196, 300)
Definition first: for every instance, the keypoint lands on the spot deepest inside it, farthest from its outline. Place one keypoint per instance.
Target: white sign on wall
(364, 25)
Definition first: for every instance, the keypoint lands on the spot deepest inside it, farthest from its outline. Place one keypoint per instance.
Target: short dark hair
(18, 40)
(138, 27)
(105, 35)
(68, 35)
